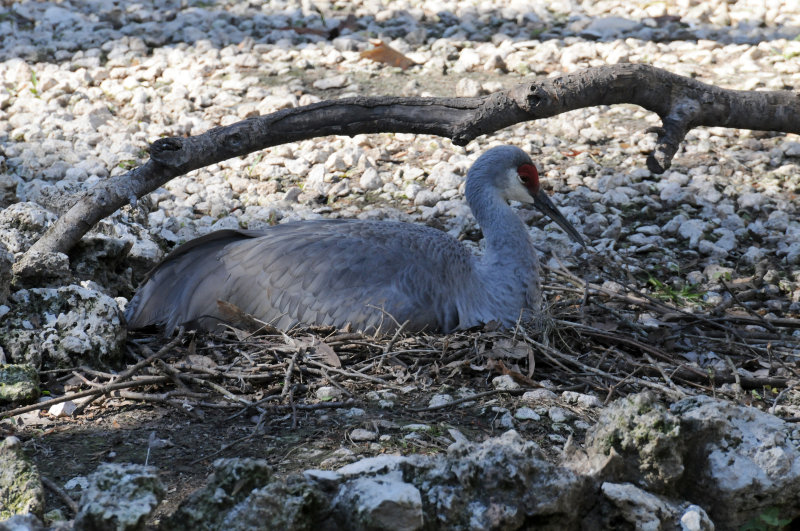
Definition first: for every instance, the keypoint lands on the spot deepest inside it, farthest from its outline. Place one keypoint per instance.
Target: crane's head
(516, 178)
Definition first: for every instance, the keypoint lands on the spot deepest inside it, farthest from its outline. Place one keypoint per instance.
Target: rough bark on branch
(682, 103)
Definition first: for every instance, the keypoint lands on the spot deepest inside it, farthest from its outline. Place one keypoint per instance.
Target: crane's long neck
(505, 284)
(508, 272)
(508, 248)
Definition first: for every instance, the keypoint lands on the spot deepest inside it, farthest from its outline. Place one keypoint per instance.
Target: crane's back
(372, 275)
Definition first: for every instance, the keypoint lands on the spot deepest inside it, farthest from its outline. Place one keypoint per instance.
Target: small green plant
(683, 295)
(127, 164)
(436, 431)
(253, 165)
(768, 520)
(34, 84)
(534, 33)
(725, 276)
(790, 55)
(321, 15)
(523, 69)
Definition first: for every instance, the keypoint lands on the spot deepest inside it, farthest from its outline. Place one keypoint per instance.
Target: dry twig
(61, 493)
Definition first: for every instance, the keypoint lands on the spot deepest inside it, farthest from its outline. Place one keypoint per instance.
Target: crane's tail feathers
(172, 292)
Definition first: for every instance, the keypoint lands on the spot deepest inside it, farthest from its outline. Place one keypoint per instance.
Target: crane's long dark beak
(543, 203)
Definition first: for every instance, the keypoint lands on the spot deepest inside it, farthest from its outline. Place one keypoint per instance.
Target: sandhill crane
(370, 275)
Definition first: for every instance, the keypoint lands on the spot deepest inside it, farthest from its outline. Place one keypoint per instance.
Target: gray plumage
(372, 275)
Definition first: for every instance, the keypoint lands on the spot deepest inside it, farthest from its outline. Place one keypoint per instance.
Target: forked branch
(682, 103)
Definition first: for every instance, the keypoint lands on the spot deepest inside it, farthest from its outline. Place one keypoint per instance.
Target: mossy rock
(62, 327)
(18, 384)
(21, 488)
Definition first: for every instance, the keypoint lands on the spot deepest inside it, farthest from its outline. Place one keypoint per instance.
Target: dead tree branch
(682, 103)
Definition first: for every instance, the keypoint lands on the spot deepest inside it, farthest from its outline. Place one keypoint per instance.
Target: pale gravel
(86, 86)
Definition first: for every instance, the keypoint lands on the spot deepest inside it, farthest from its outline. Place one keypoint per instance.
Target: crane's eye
(528, 176)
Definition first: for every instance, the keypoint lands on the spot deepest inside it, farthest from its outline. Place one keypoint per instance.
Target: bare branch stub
(682, 103)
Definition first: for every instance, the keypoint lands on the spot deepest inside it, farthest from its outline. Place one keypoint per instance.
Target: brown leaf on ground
(325, 352)
(239, 319)
(508, 348)
(383, 53)
(517, 376)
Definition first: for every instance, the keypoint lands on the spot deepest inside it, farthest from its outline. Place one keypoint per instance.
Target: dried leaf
(383, 53)
(201, 361)
(238, 318)
(607, 325)
(456, 345)
(326, 353)
(456, 363)
(509, 349)
(457, 435)
(517, 376)
(531, 363)
(492, 326)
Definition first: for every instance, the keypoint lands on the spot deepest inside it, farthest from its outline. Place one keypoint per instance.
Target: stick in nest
(288, 380)
(133, 369)
(53, 486)
(97, 391)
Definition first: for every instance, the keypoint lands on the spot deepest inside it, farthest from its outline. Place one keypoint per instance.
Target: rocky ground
(86, 86)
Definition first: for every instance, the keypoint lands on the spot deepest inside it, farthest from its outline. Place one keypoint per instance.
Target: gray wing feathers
(328, 272)
(174, 288)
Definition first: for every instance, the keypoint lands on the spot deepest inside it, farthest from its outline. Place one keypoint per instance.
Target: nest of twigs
(595, 339)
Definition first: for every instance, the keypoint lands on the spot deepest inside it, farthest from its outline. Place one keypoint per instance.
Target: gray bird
(371, 275)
